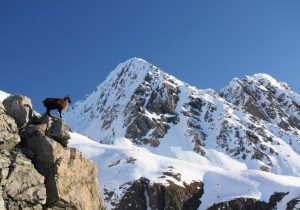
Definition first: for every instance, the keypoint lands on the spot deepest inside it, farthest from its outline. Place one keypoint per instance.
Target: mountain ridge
(168, 145)
(140, 102)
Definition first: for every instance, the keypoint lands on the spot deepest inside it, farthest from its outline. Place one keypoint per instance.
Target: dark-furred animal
(56, 103)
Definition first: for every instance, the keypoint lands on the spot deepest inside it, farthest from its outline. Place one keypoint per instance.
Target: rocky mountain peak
(151, 108)
(130, 82)
(266, 98)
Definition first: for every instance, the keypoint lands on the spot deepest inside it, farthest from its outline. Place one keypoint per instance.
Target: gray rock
(20, 108)
(8, 131)
(58, 130)
(70, 178)
(22, 186)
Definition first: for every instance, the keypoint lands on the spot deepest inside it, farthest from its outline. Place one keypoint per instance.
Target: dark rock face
(250, 203)
(276, 198)
(242, 204)
(161, 101)
(293, 204)
(40, 171)
(160, 196)
(9, 137)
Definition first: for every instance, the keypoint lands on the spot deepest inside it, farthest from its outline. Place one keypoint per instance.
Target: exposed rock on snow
(293, 204)
(142, 194)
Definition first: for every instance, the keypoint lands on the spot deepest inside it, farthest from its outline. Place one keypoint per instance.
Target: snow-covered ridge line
(251, 125)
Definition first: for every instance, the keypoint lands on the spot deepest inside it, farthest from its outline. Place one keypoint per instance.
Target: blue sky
(54, 48)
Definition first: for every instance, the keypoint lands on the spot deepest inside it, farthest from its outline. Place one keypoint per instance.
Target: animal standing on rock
(56, 103)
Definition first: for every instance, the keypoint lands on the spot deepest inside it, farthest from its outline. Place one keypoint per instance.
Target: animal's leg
(59, 113)
(48, 112)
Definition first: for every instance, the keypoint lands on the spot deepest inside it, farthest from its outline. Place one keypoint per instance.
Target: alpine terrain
(162, 144)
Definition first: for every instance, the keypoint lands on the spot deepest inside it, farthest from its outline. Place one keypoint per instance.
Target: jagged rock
(58, 130)
(276, 198)
(241, 204)
(293, 204)
(161, 101)
(59, 178)
(250, 203)
(8, 131)
(21, 185)
(70, 178)
(139, 127)
(20, 108)
(161, 196)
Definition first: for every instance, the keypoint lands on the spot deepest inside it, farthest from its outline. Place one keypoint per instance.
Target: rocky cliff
(37, 169)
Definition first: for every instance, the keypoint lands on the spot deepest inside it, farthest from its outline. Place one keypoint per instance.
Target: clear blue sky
(59, 47)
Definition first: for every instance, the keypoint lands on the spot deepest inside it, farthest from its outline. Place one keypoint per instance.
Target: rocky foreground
(37, 169)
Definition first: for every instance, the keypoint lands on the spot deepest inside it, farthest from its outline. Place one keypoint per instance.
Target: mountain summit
(250, 127)
(254, 120)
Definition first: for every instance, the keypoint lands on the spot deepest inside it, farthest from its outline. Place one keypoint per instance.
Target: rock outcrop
(293, 204)
(9, 137)
(70, 178)
(37, 169)
(250, 203)
(22, 186)
(19, 108)
(161, 196)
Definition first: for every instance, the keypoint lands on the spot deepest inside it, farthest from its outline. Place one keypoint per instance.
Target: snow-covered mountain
(246, 135)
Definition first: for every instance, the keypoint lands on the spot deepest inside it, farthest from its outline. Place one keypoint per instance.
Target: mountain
(157, 132)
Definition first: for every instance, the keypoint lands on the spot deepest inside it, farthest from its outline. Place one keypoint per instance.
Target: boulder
(8, 131)
(20, 108)
(22, 187)
(70, 178)
(58, 130)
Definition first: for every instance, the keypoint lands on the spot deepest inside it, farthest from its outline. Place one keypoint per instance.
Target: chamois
(56, 103)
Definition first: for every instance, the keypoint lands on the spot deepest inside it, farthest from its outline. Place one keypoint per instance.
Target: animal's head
(68, 98)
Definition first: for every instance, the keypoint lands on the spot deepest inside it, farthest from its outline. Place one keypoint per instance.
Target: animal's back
(51, 102)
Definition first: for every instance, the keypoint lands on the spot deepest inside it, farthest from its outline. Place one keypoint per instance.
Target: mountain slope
(120, 165)
(142, 103)
(251, 126)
